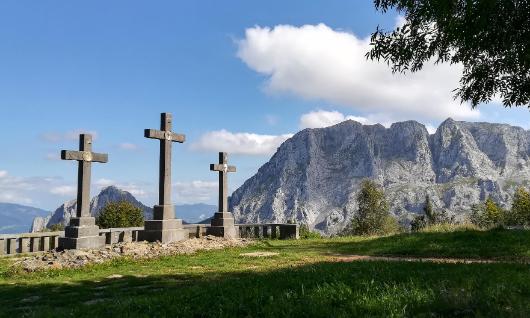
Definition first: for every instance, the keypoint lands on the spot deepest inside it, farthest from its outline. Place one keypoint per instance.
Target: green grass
(301, 281)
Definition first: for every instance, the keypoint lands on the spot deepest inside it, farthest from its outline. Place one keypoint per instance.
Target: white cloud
(239, 143)
(322, 118)
(319, 63)
(24, 190)
(128, 146)
(195, 191)
(430, 128)
(72, 135)
(64, 190)
(271, 120)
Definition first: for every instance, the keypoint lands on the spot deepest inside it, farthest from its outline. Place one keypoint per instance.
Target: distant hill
(190, 213)
(15, 218)
(195, 213)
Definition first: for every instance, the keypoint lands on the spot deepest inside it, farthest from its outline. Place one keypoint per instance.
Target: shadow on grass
(317, 290)
(507, 245)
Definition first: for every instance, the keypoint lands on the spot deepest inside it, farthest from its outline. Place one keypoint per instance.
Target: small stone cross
(166, 137)
(223, 168)
(85, 156)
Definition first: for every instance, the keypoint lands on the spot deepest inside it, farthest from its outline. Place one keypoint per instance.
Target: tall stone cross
(166, 137)
(223, 168)
(85, 156)
(164, 227)
(82, 231)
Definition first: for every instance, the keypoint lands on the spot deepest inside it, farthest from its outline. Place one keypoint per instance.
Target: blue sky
(239, 76)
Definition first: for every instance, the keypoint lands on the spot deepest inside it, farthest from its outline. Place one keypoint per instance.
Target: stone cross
(85, 156)
(223, 168)
(166, 137)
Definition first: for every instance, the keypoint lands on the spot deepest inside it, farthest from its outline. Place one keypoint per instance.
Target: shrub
(419, 223)
(54, 228)
(373, 214)
(306, 233)
(520, 211)
(487, 215)
(120, 214)
(449, 227)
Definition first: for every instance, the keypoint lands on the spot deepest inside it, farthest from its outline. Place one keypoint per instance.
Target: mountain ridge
(314, 176)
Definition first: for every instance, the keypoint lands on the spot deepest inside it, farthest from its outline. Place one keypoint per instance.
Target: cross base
(82, 233)
(223, 225)
(163, 228)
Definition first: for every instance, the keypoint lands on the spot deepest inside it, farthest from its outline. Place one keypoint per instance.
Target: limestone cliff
(314, 176)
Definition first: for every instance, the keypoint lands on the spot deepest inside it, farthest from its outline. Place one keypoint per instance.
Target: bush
(120, 214)
(419, 223)
(520, 211)
(307, 234)
(54, 228)
(487, 215)
(449, 227)
(373, 215)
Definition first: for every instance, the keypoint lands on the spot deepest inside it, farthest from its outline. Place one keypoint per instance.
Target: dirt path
(356, 258)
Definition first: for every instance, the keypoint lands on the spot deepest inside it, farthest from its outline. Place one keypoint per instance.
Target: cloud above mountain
(239, 143)
(316, 62)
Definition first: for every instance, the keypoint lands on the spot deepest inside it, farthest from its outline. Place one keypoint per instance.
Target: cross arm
(164, 135)
(84, 156)
(222, 168)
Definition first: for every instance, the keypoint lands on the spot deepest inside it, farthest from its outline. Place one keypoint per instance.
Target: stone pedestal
(223, 225)
(164, 228)
(82, 233)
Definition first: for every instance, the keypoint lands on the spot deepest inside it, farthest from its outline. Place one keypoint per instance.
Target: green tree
(487, 214)
(492, 213)
(418, 223)
(490, 38)
(428, 210)
(120, 214)
(520, 212)
(373, 215)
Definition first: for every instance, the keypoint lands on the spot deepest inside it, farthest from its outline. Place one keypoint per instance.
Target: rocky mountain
(190, 213)
(66, 211)
(314, 176)
(15, 218)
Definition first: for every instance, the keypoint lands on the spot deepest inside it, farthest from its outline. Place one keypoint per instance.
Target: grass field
(304, 280)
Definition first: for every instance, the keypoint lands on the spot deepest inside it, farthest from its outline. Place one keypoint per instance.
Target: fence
(11, 244)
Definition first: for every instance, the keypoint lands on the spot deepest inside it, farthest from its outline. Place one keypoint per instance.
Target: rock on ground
(137, 250)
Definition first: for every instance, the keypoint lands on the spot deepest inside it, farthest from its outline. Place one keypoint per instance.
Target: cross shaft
(85, 157)
(223, 168)
(166, 137)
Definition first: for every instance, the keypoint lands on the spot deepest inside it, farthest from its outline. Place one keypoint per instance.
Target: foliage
(487, 215)
(449, 227)
(520, 211)
(418, 223)
(120, 214)
(306, 233)
(489, 38)
(430, 217)
(428, 210)
(54, 228)
(372, 217)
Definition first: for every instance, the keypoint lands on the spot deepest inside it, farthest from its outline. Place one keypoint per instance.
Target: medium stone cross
(223, 168)
(85, 156)
(166, 137)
